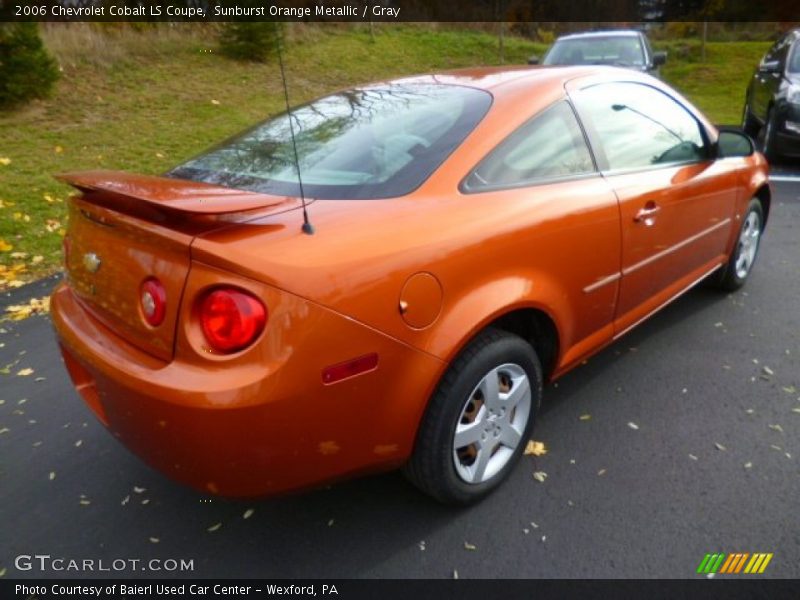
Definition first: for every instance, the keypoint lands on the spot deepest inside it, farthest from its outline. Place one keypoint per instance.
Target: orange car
(473, 235)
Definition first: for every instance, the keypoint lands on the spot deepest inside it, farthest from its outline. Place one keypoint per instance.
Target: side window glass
(549, 146)
(638, 126)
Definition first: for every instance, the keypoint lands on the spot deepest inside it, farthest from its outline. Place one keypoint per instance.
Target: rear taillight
(153, 300)
(231, 319)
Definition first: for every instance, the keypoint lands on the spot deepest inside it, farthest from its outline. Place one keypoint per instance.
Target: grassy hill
(144, 101)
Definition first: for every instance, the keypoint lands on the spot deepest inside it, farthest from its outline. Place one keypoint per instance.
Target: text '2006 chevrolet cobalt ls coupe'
(475, 234)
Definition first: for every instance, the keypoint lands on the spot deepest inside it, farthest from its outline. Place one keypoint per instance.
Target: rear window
(375, 142)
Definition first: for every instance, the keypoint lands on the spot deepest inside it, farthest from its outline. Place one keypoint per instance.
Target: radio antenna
(307, 228)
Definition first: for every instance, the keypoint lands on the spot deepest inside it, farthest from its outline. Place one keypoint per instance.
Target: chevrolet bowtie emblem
(92, 262)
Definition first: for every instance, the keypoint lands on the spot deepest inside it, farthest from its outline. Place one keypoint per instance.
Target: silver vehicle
(621, 47)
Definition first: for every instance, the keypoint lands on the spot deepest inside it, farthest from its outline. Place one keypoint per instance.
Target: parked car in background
(621, 47)
(772, 103)
(477, 234)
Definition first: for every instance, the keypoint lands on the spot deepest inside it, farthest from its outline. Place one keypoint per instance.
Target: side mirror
(772, 66)
(659, 58)
(734, 142)
(533, 60)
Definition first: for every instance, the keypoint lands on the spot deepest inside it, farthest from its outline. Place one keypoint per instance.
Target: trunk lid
(126, 228)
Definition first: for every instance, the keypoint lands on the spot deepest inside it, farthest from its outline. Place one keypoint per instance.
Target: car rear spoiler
(175, 195)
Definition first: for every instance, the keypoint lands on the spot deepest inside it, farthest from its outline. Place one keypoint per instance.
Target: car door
(567, 224)
(676, 203)
(767, 78)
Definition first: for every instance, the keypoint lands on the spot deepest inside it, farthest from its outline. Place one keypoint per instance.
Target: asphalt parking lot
(690, 447)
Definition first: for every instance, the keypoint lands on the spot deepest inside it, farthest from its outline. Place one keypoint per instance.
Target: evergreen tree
(26, 69)
(254, 41)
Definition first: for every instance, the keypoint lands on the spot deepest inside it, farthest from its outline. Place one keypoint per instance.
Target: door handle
(647, 214)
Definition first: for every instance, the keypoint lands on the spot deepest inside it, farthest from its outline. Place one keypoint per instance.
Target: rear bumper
(259, 423)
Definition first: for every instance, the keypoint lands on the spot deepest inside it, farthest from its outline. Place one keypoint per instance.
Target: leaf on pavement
(52, 475)
(139, 490)
(540, 476)
(214, 527)
(25, 372)
(585, 417)
(601, 472)
(248, 513)
(471, 547)
(633, 425)
(154, 540)
(535, 448)
(776, 427)
(720, 446)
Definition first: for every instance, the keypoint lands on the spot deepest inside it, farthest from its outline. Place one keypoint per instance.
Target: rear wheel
(735, 273)
(479, 420)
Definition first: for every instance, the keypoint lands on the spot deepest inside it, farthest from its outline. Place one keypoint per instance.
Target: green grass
(146, 101)
(716, 86)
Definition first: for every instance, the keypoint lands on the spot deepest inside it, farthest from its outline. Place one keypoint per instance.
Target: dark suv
(772, 104)
(621, 47)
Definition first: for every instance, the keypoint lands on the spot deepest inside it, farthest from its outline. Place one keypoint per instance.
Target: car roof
(492, 79)
(606, 33)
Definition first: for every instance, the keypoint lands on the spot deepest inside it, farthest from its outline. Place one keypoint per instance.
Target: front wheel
(768, 140)
(734, 274)
(479, 420)
(749, 123)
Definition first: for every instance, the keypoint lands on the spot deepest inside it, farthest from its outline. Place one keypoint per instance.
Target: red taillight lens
(231, 319)
(153, 300)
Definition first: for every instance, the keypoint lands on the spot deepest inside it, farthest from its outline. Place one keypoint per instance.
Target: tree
(254, 40)
(26, 69)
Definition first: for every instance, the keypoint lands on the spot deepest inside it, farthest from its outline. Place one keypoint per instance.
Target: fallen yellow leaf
(5, 246)
(58, 149)
(25, 372)
(535, 448)
(5, 161)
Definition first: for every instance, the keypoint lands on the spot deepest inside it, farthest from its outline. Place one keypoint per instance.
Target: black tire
(731, 278)
(750, 124)
(432, 467)
(768, 139)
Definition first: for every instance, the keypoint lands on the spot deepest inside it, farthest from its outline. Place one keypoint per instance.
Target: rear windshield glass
(375, 142)
(625, 51)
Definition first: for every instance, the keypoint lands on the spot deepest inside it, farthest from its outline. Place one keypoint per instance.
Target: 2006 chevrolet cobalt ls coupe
(476, 233)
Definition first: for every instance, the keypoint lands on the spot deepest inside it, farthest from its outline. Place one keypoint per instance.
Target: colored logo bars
(734, 563)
